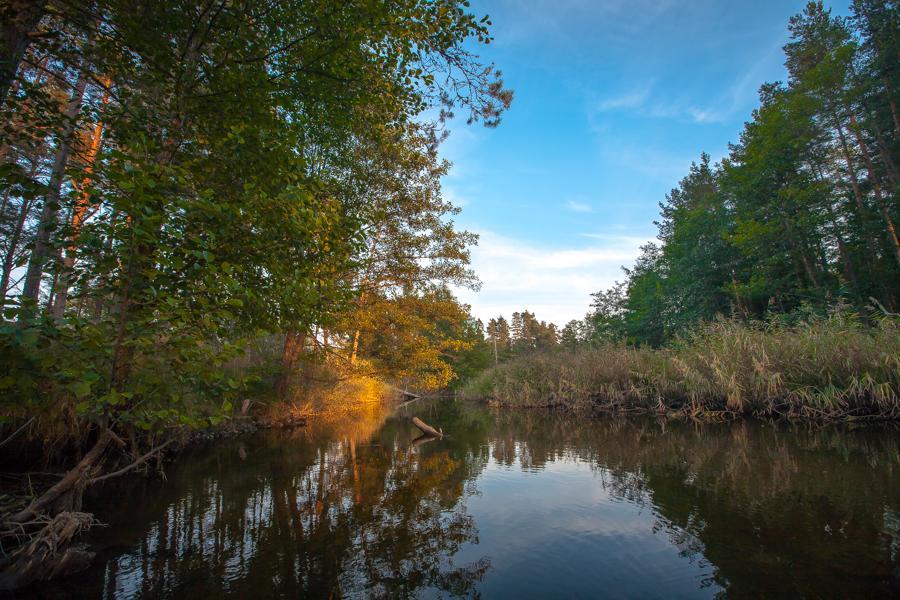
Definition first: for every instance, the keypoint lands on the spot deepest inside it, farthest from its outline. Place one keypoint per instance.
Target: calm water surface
(509, 505)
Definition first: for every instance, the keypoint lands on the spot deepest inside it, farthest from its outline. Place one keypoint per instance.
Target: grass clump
(826, 368)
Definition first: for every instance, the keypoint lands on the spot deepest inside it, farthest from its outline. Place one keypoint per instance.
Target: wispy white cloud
(579, 207)
(645, 159)
(734, 99)
(554, 283)
(631, 99)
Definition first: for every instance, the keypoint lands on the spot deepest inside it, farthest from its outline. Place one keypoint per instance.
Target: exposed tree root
(41, 532)
(48, 553)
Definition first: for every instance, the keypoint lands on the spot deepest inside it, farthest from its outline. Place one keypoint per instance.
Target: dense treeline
(179, 177)
(802, 212)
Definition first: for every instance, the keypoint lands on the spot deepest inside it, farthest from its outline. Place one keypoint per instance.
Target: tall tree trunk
(876, 187)
(797, 252)
(9, 257)
(809, 267)
(851, 171)
(141, 258)
(139, 263)
(355, 347)
(79, 211)
(893, 104)
(20, 19)
(884, 151)
(49, 212)
(849, 271)
(293, 347)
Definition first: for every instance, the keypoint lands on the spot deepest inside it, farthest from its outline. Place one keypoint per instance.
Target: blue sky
(613, 101)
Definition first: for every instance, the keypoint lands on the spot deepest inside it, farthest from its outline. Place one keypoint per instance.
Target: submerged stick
(423, 439)
(426, 428)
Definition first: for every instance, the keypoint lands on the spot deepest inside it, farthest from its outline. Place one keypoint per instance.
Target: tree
(801, 213)
(264, 169)
(571, 335)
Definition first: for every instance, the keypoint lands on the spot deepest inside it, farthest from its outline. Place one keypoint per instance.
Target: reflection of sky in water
(511, 505)
(558, 531)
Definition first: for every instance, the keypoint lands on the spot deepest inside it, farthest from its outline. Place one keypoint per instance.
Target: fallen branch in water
(423, 439)
(136, 463)
(426, 428)
(74, 478)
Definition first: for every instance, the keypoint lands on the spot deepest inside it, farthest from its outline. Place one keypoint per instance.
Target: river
(514, 504)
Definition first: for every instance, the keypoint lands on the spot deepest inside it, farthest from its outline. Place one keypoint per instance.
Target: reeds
(828, 368)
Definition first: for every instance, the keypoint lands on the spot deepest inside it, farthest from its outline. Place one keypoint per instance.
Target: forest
(801, 214)
(191, 189)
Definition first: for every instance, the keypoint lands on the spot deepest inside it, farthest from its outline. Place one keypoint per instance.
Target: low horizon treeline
(822, 368)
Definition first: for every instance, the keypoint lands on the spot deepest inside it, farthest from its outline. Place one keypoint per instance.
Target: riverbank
(47, 545)
(834, 368)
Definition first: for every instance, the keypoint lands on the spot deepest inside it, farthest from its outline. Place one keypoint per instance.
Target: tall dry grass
(826, 368)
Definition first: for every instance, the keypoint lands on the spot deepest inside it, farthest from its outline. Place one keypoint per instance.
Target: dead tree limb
(426, 428)
(423, 439)
(136, 463)
(17, 432)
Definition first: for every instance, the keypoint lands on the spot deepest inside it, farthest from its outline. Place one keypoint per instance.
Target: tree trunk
(141, 258)
(851, 171)
(49, 211)
(893, 104)
(849, 271)
(426, 428)
(876, 187)
(797, 251)
(884, 151)
(20, 19)
(355, 348)
(13, 241)
(79, 211)
(293, 347)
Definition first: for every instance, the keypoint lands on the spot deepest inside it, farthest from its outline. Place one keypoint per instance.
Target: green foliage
(801, 212)
(194, 178)
(423, 340)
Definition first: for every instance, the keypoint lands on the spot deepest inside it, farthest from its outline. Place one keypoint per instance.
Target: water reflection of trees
(775, 509)
(342, 509)
(354, 508)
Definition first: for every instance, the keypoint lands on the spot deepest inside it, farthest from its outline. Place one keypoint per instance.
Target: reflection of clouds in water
(561, 506)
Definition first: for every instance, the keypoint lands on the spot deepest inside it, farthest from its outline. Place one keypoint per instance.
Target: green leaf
(80, 388)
